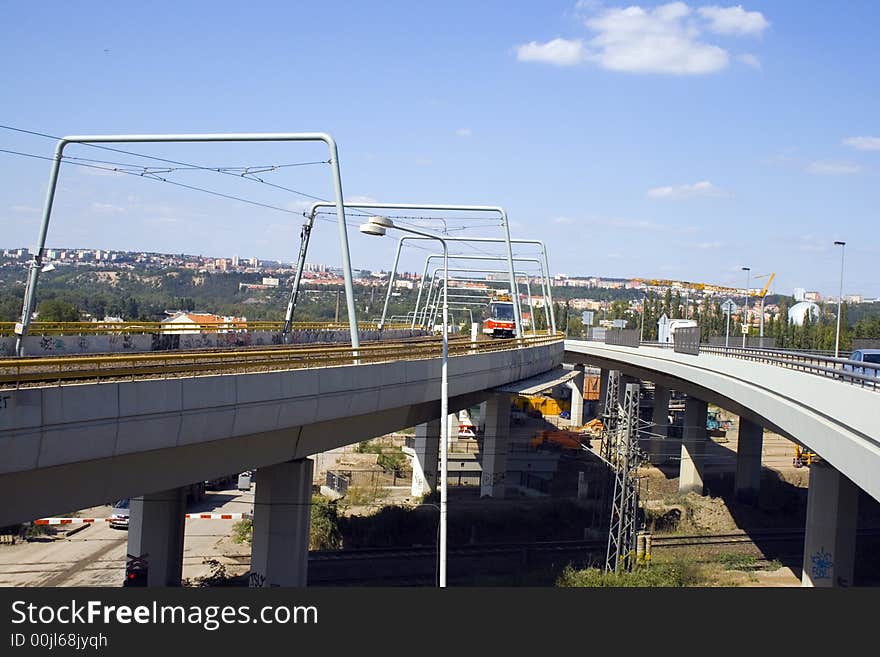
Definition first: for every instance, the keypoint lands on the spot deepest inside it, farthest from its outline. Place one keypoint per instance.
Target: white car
(119, 514)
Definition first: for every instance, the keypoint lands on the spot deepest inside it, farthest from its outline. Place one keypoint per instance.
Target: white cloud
(863, 143)
(833, 168)
(299, 205)
(658, 40)
(361, 199)
(664, 39)
(750, 60)
(107, 208)
(559, 52)
(563, 220)
(703, 188)
(813, 244)
(24, 209)
(463, 132)
(640, 224)
(705, 246)
(734, 20)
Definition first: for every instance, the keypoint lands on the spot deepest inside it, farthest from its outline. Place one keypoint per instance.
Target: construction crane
(762, 294)
(703, 287)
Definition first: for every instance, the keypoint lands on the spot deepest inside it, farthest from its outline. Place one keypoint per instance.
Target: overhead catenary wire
(170, 161)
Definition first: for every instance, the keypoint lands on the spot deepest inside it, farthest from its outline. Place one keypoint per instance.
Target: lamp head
(839, 243)
(379, 220)
(372, 229)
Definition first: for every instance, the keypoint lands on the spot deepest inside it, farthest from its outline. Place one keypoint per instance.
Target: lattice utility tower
(626, 458)
(610, 413)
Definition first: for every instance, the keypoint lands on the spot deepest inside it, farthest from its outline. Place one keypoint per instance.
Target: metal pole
(471, 208)
(479, 257)
(727, 334)
(642, 328)
(444, 414)
(300, 265)
(390, 284)
(842, 245)
(30, 291)
(746, 324)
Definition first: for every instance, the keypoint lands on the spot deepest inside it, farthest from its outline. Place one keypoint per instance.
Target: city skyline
(255, 265)
(668, 139)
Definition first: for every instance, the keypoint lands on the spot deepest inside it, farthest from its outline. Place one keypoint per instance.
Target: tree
(55, 310)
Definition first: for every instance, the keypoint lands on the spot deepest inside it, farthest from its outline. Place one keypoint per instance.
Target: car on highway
(119, 514)
(870, 356)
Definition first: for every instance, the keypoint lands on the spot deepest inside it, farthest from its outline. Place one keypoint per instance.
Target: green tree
(55, 310)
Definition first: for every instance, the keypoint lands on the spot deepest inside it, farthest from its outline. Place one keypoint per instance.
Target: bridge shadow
(780, 505)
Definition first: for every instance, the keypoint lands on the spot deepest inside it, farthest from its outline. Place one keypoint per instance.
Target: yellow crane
(710, 287)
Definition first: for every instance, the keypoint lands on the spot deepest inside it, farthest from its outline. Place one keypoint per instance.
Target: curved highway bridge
(828, 405)
(78, 431)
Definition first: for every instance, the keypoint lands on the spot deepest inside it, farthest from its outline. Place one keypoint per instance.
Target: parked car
(871, 356)
(119, 514)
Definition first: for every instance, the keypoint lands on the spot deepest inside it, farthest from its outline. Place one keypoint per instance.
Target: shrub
(668, 574)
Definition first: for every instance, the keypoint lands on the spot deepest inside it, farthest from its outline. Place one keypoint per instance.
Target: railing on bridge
(865, 375)
(172, 328)
(51, 369)
(842, 369)
(622, 337)
(686, 340)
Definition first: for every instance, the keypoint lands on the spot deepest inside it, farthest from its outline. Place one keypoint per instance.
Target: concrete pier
(832, 518)
(693, 446)
(155, 534)
(495, 442)
(425, 461)
(282, 515)
(747, 483)
(659, 447)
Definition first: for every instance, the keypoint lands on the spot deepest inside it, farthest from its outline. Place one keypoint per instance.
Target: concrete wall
(836, 420)
(66, 447)
(59, 345)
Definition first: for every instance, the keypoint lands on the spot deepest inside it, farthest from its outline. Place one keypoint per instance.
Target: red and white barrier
(68, 521)
(188, 516)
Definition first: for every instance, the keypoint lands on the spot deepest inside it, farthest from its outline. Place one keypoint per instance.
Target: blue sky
(665, 140)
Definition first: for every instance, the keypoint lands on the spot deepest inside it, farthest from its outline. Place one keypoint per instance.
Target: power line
(189, 165)
(158, 178)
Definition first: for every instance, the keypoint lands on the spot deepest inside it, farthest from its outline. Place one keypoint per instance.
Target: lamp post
(746, 324)
(839, 299)
(642, 327)
(377, 226)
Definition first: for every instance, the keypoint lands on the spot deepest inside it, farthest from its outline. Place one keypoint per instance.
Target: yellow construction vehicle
(803, 456)
(540, 405)
(557, 439)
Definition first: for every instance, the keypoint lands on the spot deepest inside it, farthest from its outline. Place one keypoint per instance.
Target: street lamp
(377, 225)
(642, 327)
(839, 298)
(746, 324)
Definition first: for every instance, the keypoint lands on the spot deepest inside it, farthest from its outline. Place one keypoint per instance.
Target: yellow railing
(51, 369)
(167, 328)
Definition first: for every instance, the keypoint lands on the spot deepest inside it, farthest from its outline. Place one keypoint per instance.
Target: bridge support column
(155, 533)
(747, 482)
(494, 450)
(453, 429)
(282, 514)
(832, 517)
(577, 397)
(427, 449)
(658, 449)
(693, 446)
